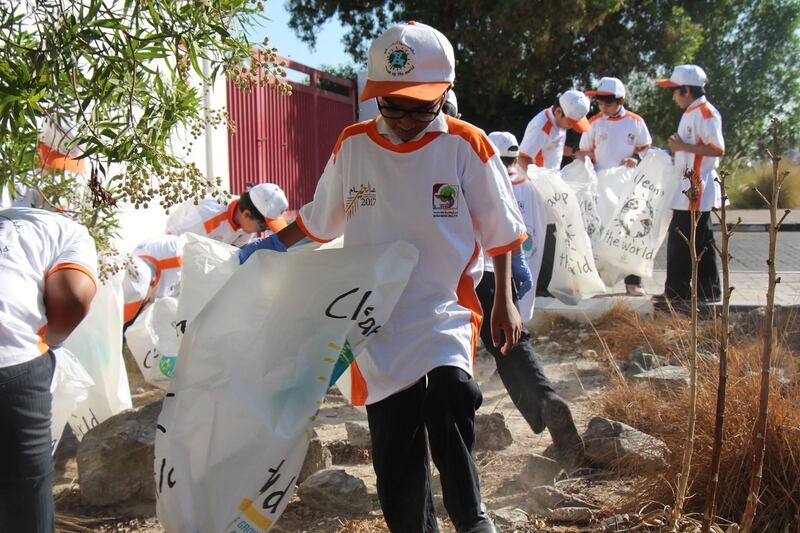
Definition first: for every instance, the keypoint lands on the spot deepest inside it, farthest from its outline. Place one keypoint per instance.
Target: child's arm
(291, 235)
(505, 318)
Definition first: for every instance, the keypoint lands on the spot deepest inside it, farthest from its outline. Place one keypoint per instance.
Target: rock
(538, 471)
(709, 357)
(543, 499)
(642, 360)
(792, 339)
(613, 444)
(115, 458)
(509, 518)
(358, 434)
(591, 354)
(665, 377)
(318, 457)
(613, 523)
(491, 432)
(334, 490)
(571, 514)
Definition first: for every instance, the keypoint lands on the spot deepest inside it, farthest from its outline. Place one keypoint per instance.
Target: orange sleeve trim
(49, 158)
(349, 131)
(304, 229)
(643, 147)
(539, 159)
(720, 151)
(213, 223)
(358, 385)
(492, 252)
(476, 138)
(72, 266)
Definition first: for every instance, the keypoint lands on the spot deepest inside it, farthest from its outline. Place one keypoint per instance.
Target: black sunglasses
(419, 114)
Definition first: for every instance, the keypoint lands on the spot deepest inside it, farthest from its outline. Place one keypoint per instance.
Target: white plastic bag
(581, 177)
(641, 218)
(253, 368)
(97, 344)
(70, 387)
(154, 340)
(575, 276)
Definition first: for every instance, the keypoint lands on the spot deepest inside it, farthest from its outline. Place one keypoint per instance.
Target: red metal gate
(287, 140)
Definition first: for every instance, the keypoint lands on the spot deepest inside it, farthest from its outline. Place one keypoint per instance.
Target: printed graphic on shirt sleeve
(445, 200)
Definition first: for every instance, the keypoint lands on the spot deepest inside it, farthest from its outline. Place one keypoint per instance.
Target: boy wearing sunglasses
(438, 183)
(617, 137)
(255, 211)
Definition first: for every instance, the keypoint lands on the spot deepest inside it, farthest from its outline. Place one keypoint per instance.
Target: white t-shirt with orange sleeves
(210, 219)
(164, 254)
(612, 139)
(34, 244)
(446, 193)
(701, 123)
(544, 141)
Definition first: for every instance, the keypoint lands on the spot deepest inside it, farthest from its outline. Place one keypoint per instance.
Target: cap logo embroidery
(399, 59)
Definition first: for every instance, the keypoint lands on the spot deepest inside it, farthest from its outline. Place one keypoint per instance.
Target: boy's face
(407, 117)
(561, 120)
(608, 107)
(248, 223)
(682, 100)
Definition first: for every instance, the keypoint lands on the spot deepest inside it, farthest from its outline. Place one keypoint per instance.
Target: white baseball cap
(269, 199)
(575, 106)
(608, 87)
(410, 60)
(506, 143)
(685, 75)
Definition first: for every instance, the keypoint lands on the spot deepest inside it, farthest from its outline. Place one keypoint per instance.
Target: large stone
(318, 457)
(539, 470)
(115, 458)
(491, 432)
(509, 518)
(358, 434)
(334, 490)
(575, 515)
(613, 444)
(665, 377)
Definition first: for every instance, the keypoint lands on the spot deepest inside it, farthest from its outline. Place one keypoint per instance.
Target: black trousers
(26, 462)
(548, 257)
(442, 407)
(679, 259)
(521, 369)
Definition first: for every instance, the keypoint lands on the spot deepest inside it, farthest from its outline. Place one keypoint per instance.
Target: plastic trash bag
(70, 387)
(154, 340)
(581, 177)
(640, 221)
(97, 344)
(253, 367)
(575, 276)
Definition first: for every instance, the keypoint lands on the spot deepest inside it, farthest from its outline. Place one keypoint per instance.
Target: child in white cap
(697, 147)
(438, 183)
(543, 145)
(237, 223)
(154, 272)
(617, 137)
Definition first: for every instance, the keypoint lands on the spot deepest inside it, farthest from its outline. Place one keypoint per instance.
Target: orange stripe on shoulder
(548, 127)
(474, 136)
(349, 131)
(633, 115)
(706, 111)
(213, 223)
(597, 116)
(72, 266)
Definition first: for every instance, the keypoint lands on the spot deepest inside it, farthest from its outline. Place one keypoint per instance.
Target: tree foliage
(514, 56)
(116, 75)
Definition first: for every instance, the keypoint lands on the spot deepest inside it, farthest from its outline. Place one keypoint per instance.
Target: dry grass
(743, 196)
(664, 414)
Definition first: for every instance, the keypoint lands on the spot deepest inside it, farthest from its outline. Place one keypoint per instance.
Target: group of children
(461, 197)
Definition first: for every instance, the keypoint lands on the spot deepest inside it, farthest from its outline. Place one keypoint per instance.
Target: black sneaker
(567, 443)
(484, 525)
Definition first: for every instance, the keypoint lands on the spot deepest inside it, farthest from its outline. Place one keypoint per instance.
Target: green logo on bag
(167, 365)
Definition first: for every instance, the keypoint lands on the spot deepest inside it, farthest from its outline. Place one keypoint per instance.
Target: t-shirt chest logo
(399, 59)
(631, 139)
(358, 197)
(445, 200)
